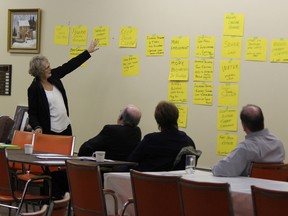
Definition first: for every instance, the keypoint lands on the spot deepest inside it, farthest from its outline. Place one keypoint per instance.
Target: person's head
(129, 116)
(166, 115)
(39, 67)
(252, 118)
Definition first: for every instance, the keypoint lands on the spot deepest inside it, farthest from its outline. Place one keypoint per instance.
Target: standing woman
(47, 101)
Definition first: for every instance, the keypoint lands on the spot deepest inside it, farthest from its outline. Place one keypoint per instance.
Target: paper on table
(93, 159)
(53, 157)
(56, 162)
(49, 155)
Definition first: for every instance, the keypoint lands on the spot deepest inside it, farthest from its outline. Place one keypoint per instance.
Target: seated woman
(157, 151)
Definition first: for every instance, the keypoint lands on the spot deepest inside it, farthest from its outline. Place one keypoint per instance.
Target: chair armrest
(126, 204)
(112, 193)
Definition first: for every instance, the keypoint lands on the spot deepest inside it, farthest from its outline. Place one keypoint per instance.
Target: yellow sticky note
(226, 143)
(79, 35)
(203, 70)
(182, 120)
(279, 51)
(230, 71)
(61, 35)
(228, 95)
(180, 47)
(128, 37)
(203, 93)
(234, 24)
(155, 45)
(75, 52)
(179, 69)
(102, 34)
(205, 47)
(227, 119)
(256, 49)
(130, 66)
(231, 47)
(177, 91)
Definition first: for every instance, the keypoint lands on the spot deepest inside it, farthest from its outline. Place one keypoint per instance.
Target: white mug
(28, 148)
(99, 156)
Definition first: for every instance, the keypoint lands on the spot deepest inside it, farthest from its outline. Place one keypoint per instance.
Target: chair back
(22, 137)
(6, 125)
(271, 171)
(269, 202)
(85, 185)
(42, 212)
(203, 198)
(155, 194)
(57, 144)
(5, 184)
(60, 207)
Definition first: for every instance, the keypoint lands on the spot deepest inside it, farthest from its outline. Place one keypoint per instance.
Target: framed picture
(24, 30)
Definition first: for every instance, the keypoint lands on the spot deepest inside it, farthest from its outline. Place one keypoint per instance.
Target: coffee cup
(99, 156)
(28, 148)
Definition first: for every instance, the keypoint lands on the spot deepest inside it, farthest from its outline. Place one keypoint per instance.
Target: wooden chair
(271, 171)
(8, 195)
(60, 207)
(269, 202)
(203, 198)
(42, 212)
(87, 193)
(155, 194)
(6, 125)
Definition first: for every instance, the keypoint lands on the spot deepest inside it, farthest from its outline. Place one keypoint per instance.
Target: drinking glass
(190, 164)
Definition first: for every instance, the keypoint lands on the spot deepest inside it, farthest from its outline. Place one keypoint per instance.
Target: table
(47, 159)
(240, 188)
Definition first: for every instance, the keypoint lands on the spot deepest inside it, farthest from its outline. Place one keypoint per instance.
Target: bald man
(117, 140)
(259, 146)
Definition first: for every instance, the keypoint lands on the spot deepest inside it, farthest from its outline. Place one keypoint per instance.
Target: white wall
(98, 91)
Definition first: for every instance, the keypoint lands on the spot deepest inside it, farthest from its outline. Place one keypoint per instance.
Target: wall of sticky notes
(208, 57)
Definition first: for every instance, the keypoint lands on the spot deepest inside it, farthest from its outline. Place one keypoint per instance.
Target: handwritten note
(256, 49)
(182, 120)
(130, 66)
(155, 45)
(203, 70)
(230, 71)
(234, 24)
(203, 93)
(128, 37)
(279, 51)
(205, 47)
(180, 47)
(61, 35)
(79, 35)
(102, 34)
(231, 47)
(75, 52)
(227, 119)
(226, 143)
(179, 69)
(228, 95)
(177, 91)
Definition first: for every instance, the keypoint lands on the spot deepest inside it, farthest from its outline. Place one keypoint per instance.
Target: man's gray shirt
(260, 146)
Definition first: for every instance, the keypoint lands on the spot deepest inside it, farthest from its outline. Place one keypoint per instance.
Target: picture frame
(24, 28)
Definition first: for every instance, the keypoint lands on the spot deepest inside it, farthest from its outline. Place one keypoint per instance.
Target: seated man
(118, 140)
(259, 146)
(157, 151)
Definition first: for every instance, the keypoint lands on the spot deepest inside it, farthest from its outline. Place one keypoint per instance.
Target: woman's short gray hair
(36, 66)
